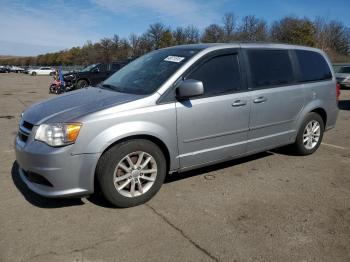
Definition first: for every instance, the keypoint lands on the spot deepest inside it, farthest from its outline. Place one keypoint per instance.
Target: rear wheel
(310, 134)
(52, 89)
(131, 172)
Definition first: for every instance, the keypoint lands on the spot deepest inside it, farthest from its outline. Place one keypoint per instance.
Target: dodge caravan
(172, 110)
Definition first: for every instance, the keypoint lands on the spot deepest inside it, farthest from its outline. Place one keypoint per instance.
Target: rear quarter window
(269, 68)
(312, 66)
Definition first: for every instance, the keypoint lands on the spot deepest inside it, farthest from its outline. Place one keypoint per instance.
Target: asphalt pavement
(272, 206)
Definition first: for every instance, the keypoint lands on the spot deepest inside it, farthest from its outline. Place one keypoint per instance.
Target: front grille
(36, 178)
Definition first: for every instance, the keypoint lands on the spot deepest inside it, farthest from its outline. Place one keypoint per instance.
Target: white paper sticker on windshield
(175, 59)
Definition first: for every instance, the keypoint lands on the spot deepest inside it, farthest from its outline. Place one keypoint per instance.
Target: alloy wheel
(135, 174)
(311, 134)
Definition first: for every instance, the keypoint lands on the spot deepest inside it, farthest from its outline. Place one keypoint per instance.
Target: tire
(302, 148)
(82, 83)
(108, 169)
(51, 74)
(33, 73)
(52, 89)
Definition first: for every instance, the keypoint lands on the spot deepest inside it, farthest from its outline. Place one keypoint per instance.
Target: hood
(70, 106)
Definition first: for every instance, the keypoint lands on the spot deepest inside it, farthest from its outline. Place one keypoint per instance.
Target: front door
(214, 126)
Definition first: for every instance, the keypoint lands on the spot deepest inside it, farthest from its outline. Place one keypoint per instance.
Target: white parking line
(8, 151)
(335, 146)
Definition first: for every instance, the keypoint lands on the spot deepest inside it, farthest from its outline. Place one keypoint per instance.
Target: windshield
(146, 74)
(88, 68)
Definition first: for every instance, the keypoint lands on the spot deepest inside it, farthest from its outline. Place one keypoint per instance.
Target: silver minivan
(176, 109)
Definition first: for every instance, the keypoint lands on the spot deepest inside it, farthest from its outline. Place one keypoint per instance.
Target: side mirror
(96, 70)
(189, 88)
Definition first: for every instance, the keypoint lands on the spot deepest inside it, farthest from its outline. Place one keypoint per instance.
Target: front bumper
(67, 174)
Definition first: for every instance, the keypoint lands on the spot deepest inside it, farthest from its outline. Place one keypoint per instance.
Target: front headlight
(60, 134)
(69, 77)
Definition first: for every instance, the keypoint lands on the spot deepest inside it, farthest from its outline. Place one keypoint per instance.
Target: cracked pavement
(268, 207)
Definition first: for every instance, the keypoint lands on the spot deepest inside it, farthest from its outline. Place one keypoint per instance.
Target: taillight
(337, 91)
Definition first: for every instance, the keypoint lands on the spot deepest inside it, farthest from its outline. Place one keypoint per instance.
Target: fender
(124, 130)
(312, 105)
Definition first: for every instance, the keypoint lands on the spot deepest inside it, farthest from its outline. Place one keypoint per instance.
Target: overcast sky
(36, 27)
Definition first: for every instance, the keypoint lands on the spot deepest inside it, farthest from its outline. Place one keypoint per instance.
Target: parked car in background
(16, 69)
(172, 110)
(4, 69)
(41, 71)
(92, 74)
(343, 76)
(26, 69)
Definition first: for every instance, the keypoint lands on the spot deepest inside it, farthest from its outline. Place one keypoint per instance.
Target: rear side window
(219, 75)
(312, 66)
(270, 68)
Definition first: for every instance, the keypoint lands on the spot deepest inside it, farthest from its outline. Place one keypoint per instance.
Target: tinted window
(270, 68)
(219, 75)
(345, 70)
(103, 67)
(312, 66)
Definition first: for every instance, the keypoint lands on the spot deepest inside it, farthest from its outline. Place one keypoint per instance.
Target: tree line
(331, 36)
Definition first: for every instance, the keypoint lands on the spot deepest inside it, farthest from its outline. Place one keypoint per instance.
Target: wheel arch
(163, 147)
(151, 138)
(323, 114)
(316, 106)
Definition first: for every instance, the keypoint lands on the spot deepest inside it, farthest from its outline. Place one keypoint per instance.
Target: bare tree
(155, 32)
(294, 30)
(252, 29)
(192, 34)
(229, 21)
(179, 36)
(213, 34)
(338, 36)
(322, 37)
(134, 41)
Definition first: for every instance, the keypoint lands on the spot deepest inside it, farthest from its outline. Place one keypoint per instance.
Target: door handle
(239, 103)
(260, 99)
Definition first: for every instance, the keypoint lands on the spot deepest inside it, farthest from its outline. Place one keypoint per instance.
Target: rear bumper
(67, 174)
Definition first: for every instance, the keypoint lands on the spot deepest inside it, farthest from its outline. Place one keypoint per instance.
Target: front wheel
(131, 172)
(82, 84)
(33, 73)
(310, 135)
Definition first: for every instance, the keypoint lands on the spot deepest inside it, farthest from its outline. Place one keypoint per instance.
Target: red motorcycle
(55, 87)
